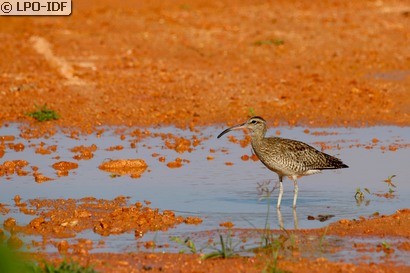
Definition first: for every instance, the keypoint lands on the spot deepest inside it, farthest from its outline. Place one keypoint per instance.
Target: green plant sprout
(66, 267)
(251, 112)
(275, 42)
(227, 249)
(185, 7)
(360, 196)
(385, 244)
(14, 262)
(187, 242)
(390, 183)
(269, 242)
(43, 114)
(322, 238)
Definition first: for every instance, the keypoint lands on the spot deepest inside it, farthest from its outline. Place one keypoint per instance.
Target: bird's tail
(334, 163)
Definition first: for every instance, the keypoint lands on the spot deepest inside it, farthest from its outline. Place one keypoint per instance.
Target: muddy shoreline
(321, 64)
(112, 217)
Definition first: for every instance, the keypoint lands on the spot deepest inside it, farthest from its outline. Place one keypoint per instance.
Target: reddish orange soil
(63, 218)
(154, 62)
(184, 263)
(382, 226)
(57, 220)
(133, 167)
(148, 63)
(378, 226)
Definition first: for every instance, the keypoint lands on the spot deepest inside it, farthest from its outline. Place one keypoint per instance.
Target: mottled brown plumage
(286, 157)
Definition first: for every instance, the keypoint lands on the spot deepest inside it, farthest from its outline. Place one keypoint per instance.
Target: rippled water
(218, 192)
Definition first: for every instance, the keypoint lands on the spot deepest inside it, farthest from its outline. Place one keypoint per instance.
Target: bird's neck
(257, 137)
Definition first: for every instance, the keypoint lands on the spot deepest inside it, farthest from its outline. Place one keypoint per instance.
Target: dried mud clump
(19, 147)
(39, 177)
(133, 167)
(65, 166)
(12, 167)
(46, 150)
(84, 152)
(180, 145)
(3, 209)
(7, 138)
(64, 218)
(192, 220)
(177, 163)
(9, 223)
(115, 148)
(227, 224)
(380, 226)
(138, 218)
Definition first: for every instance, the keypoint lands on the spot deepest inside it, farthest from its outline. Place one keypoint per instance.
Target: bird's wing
(296, 154)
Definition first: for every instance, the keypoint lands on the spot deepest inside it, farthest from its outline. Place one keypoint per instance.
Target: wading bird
(286, 157)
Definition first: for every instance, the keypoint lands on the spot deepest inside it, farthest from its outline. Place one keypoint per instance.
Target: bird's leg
(280, 191)
(280, 219)
(295, 219)
(295, 193)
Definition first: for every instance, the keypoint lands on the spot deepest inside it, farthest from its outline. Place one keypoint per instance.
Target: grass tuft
(187, 242)
(227, 249)
(43, 114)
(276, 42)
(66, 267)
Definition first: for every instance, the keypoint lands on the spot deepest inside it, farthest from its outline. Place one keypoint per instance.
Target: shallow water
(217, 192)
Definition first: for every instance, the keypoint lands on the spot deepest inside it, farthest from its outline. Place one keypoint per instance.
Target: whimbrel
(286, 157)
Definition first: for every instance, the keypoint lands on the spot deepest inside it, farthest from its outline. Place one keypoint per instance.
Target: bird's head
(256, 125)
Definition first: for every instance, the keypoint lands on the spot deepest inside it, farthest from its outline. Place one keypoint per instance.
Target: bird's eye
(253, 121)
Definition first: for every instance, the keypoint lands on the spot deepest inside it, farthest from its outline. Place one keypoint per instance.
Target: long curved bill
(235, 127)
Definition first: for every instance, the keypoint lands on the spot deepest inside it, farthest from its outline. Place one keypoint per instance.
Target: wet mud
(202, 63)
(57, 220)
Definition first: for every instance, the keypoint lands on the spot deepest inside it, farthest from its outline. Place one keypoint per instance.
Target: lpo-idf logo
(35, 7)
